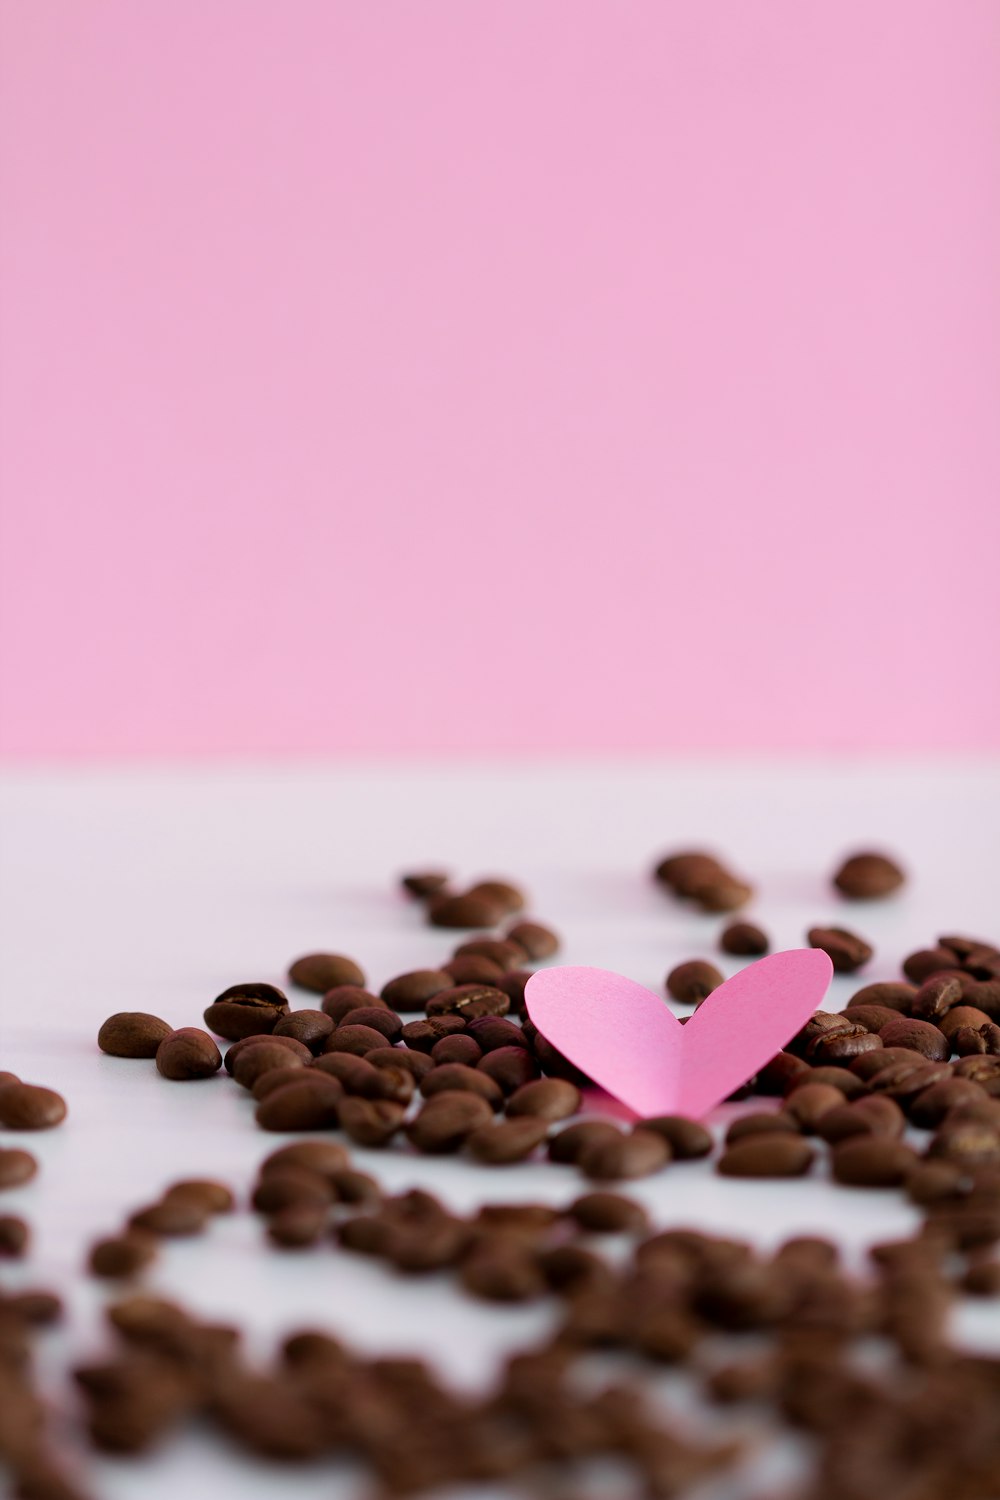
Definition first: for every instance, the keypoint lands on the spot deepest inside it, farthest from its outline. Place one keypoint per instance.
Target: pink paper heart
(626, 1039)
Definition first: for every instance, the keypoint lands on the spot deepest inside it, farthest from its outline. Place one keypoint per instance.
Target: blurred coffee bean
(326, 1158)
(510, 1067)
(411, 991)
(371, 1122)
(509, 1141)
(310, 1027)
(506, 955)
(253, 1063)
(321, 972)
(291, 1186)
(15, 1237)
(970, 1040)
(493, 1032)
(464, 911)
(545, 1099)
(894, 996)
(467, 1080)
(424, 883)
(690, 982)
(297, 1227)
(925, 962)
(846, 951)
(872, 1161)
(214, 1197)
(29, 1106)
(340, 1001)
(609, 1213)
(688, 1139)
(936, 996)
(809, 1103)
(460, 1048)
(415, 1063)
(868, 877)
(16, 1167)
(573, 1140)
(377, 1017)
(538, 941)
(501, 892)
(312, 1104)
(776, 1076)
(171, 1217)
(625, 1156)
(357, 1040)
(132, 1033)
(868, 1116)
(767, 1155)
(187, 1054)
(763, 1123)
(123, 1256)
(472, 969)
(296, 1050)
(446, 1120)
(916, 1036)
(744, 940)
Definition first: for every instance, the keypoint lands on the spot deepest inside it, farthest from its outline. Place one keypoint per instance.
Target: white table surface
(154, 888)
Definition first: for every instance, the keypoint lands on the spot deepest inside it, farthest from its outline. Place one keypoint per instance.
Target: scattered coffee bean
(422, 1035)
(809, 1103)
(510, 1140)
(187, 1054)
(872, 1161)
(291, 1186)
(310, 1027)
(843, 1044)
(768, 1155)
(254, 1062)
(124, 1255)
(846, 950)
(764, 1123)
(571, 1142)
(609, 1213)
(132, 1033)
(920, 966)
(868, 877)
(968, 1041)
(424, 883)
(538, 941)
(357, 1040)
(415, 1063)
(545, 1099)
(493, 1032)
(472, 969)
(325, 1158)
(687, 1139)
(874, 1115)
(837, 1076)
(246, 1010)
(411, 991)
(16, 1167)
(625, 1156)
(690, 982)
(377, 1017)
(744, 940)
(28, 1106)
(214, 1197)
(460, 1048)
(297, 1227)
(446, 1121)
(464, 911)
(871, 1017)
(321, 972)
(355, 1187)
(468, 1080)
(470, 1002)
(892, 995)
(239, 1049)
(312, 1104)
(936, 996)
(916, 1036)
(356, 1074)
(778, 1075)
(171, 1217)
(510, 1067)
(501, 892)
(507, 956)
(962, 1016)
(371, 1122)
(273, 1079)
(15, 1237)
(340, 1001)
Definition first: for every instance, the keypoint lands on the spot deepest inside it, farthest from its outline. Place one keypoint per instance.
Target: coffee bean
(493, 1032)
(463, 911)
(470, 1002)
(15, 1237)
(960, 1016)
(297, 1050)
(510, 1067)
(411, 991)
(377, 1018)
(297, 1227)
(966, 1141)
(424, 883)
(609, 1213)
(538, 941)
(502, 1272)
(513, 985)
(690, 982)
(28, 1106)
(872, 1161)
(371, 1122)
(472, 969)
(16, 1167)
(982, 1279)
(446, 1120)
(38, 1308)
(340, 1001)
(312, 1104)
(904, 1080)
(325, 1158)
(171, 1217)
(890, 994)
(968, 1041)
(935, 997)
(634, 1155)
(356, 1074)
(920, 966)
(460, 1048)
(916, 1036)
(502, 892)
(123, 1255)
(846, 950)
(769, 1155)
(935, 1182)
(928, 1108)
(687, 1139)
(809, 1103)
(868, 1065)
(764, 1123)
(415, 1063)
(132, 1033)
(291, 1186)
(686, 870)
(868, 877)
(245, 1010)
(310, 1027)
(545, 1099)
(355, 1187)
(555, 1065)
(868, 1116)
(264, 1058)
(214, 1197)
(776, 1076)
(509, 1141)
(469, 1080)
(321, 972)
(842, 1045)
(187, 1054)
(570, 1143)
(838, 1077)
(871, 1017)
(982, 1070)
(423, 1035)
(744, 939)
(357, 1040)
(507, 956)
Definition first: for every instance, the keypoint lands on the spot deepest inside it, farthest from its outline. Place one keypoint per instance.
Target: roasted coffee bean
(928, 1108)
(687, 1139)
(15, 1237)
(357, 1040)
(916, 1036)
(570, 1143)
(321, 972)
(936, 1181)
(966, 1141)
(38, 1308)
(690, 982)
(123, 1255)
(310, 1027)
(297, 1227)
(28, 1106)
(213, 1196)
(821, 1023)
(493, 1032)
(273, 1080)
(839, 1077)
(763, 1123)
(920, 966)
(727, 893)
(538, 941)
(377, 1017)
(291, 1186)
(868, 877)
(554, 1064)
(936, 996)
(460, 1048)
(982, 1070)
(501, 892)
(846, 950)
(446, 1120)
(239, 1049)
(171, 1217)
(609, 1213)
(809, 1103)
(777, 1076)
(960, 1016)
(513, 985)
(744, 939)
(510, 1067)
(16, 1167)
(905, 1080)
(187, 1054)
(354, 1187)
(634, 1155)
(356, 1074)
(841, 1046)
(505, 1271)
(340, 1001)
(508, 1141)
(472, 969)
(506, 955)
(469, 1080)
(545, 1099)
(767, 1155)
(470, 1002)
(415, 1063)
(371, 1122)
(687, 869)
(872, 1161)
(326, 1158)
(868, 1116)
(254, 1062)
(245, 1010)
(464, 910)
(869, 1065)
(397, 1084)
(312, 1104)
(424, 883)
(871, 1017)
(132, 1033)
(968, 1041)
(894, 996)
(422, 1035)
(411, 991)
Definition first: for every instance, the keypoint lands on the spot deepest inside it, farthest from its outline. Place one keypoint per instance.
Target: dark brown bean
(171, 1218)
(422, 1036)
(970, 1041)
(868, 877)
(838, 1077)
(508, 1141)
(769, 1155)
(460, 1048)
(463, 911)
(296, 1049)
(352, 1186)
(513, 984)
(762, 1123)
(841, 1046)
(132, 1033)
(809, 1103)
(846, 951)
(29, 1106)
(777, 1076)
(966, 1141)
(340, 1001)
(371, 1122)
(871, 1017)
(292, 1186)
(298, 1226)
(356, 1074)
(397, 1084)
(310, 1027)
(415, 1063)
(321, 972)
(424, 883)
(472, 969)
(872, 1161)
(446, 1120)
(326, 1158)
(869, 1116)
(510, 1067)
(917, 1036)
(570, 1143)
(504, 1271)
(634, 1155)
(411, 991)
(894, 996)
(687, 1139)
(919, 966)
(15, 1237)
(688, 869)
(609, 1213)
(722, 893)
(245, 1010)
(506, 955)
(312, 1104)
(469, 1080)
(265, 1058)
(214, 1197)
(501, 892)
(960, 1016)
(936, 996)
(545, 1099)
(187, 1054)
(16, 1167)
(357, 1040)
(492, 1032)
(123, 1255)
(378, 1018)
(928, 1108)
(538, 941)
(744, 939)
(869, 1065)
(470, 1002)
(690, 982)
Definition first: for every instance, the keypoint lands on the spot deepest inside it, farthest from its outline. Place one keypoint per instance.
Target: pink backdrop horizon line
(611, 378)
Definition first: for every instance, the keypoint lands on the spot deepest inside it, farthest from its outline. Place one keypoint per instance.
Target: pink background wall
(524, 374)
